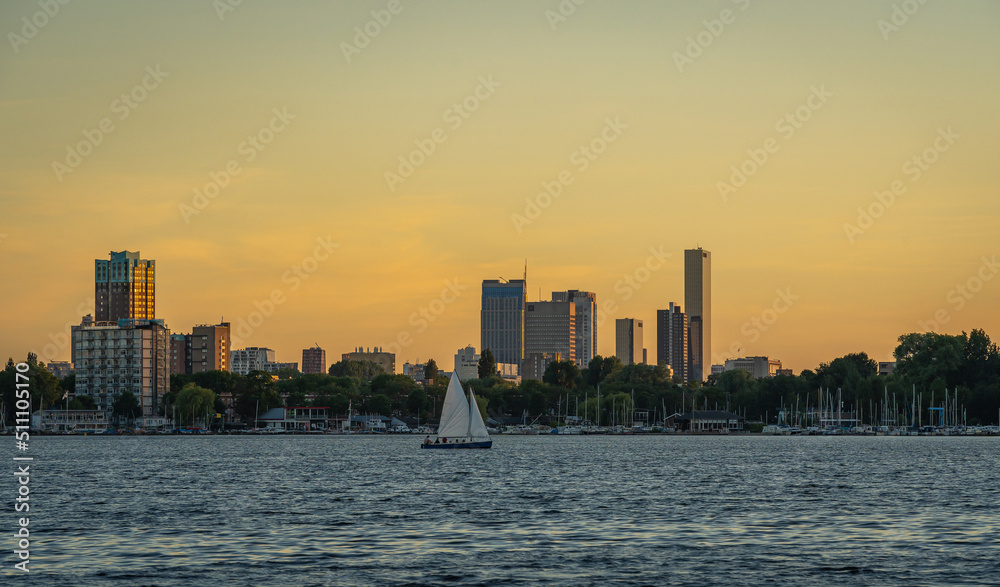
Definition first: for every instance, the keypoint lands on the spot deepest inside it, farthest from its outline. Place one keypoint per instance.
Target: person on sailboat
(427, 439)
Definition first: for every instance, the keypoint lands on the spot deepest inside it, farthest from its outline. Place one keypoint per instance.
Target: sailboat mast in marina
(461, 424)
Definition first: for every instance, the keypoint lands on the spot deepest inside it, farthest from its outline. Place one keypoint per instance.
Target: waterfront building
(314, 360)
(757, 367)
(385, 360)
(707, 421)
(114, 357)
(299, 419)
(698, 301)
(502, 319)
(586, 322)
(243, 361)
(628, 340)
(71, 421)
(124, 287)
(467, 363)
(672, 340)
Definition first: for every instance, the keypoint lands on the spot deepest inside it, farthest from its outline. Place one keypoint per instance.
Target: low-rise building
(302, 419)
(757, 367)
(707, 421)
(385, 360)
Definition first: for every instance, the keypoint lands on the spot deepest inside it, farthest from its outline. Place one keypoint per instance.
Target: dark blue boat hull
(481, 444)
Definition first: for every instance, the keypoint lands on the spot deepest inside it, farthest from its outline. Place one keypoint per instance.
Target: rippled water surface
(302, 510)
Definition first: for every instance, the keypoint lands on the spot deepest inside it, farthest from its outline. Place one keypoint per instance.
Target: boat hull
(451, 445)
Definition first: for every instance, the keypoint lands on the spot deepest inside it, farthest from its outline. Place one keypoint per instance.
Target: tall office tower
(502, 320)
(698, 300)
(124, 287)
(586, 322)
(549, 332)
(118, 356)
(314, 360)
(628, 340)
(672, 340)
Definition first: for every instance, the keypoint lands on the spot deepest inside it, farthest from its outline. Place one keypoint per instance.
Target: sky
(347, 173)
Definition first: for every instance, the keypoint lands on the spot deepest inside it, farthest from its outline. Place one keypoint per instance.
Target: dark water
(564, 510)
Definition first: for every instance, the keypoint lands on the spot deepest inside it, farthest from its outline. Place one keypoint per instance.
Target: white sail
(477, 428)
(454, 412)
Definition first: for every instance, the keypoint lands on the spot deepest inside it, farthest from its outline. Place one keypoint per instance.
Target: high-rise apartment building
(314, 360)
(114, 357)
(550, 332)
(672, 340)
(586, 322)
(243, 361)
(207, 348)
(124, 287)
(698, 301)
(628, 340)
(502, 319)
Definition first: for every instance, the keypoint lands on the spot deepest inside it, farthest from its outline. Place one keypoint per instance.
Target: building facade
(60, 368)
(698, 301)
(628, 340)
(502, 319)
(467, 363)
(314, 360)
(124, 287)
(243, 361)
(385, 360)
(672, 340)
(586, 322)
(122, 356)
(550, 329)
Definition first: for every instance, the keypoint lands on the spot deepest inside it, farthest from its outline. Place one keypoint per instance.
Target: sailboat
(461, 425)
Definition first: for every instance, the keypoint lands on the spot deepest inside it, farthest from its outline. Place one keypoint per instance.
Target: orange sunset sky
(116, 114)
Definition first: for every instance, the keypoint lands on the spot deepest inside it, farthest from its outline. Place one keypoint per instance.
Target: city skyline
(847, 195)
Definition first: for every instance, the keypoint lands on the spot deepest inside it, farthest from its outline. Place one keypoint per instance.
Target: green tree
(126, 407)
(255, 391)
(564, 374)
(82, 402)
(193, 402)
(487, 364)
(430, 370)
(380, 404)
(601, 368)
(360, 369)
